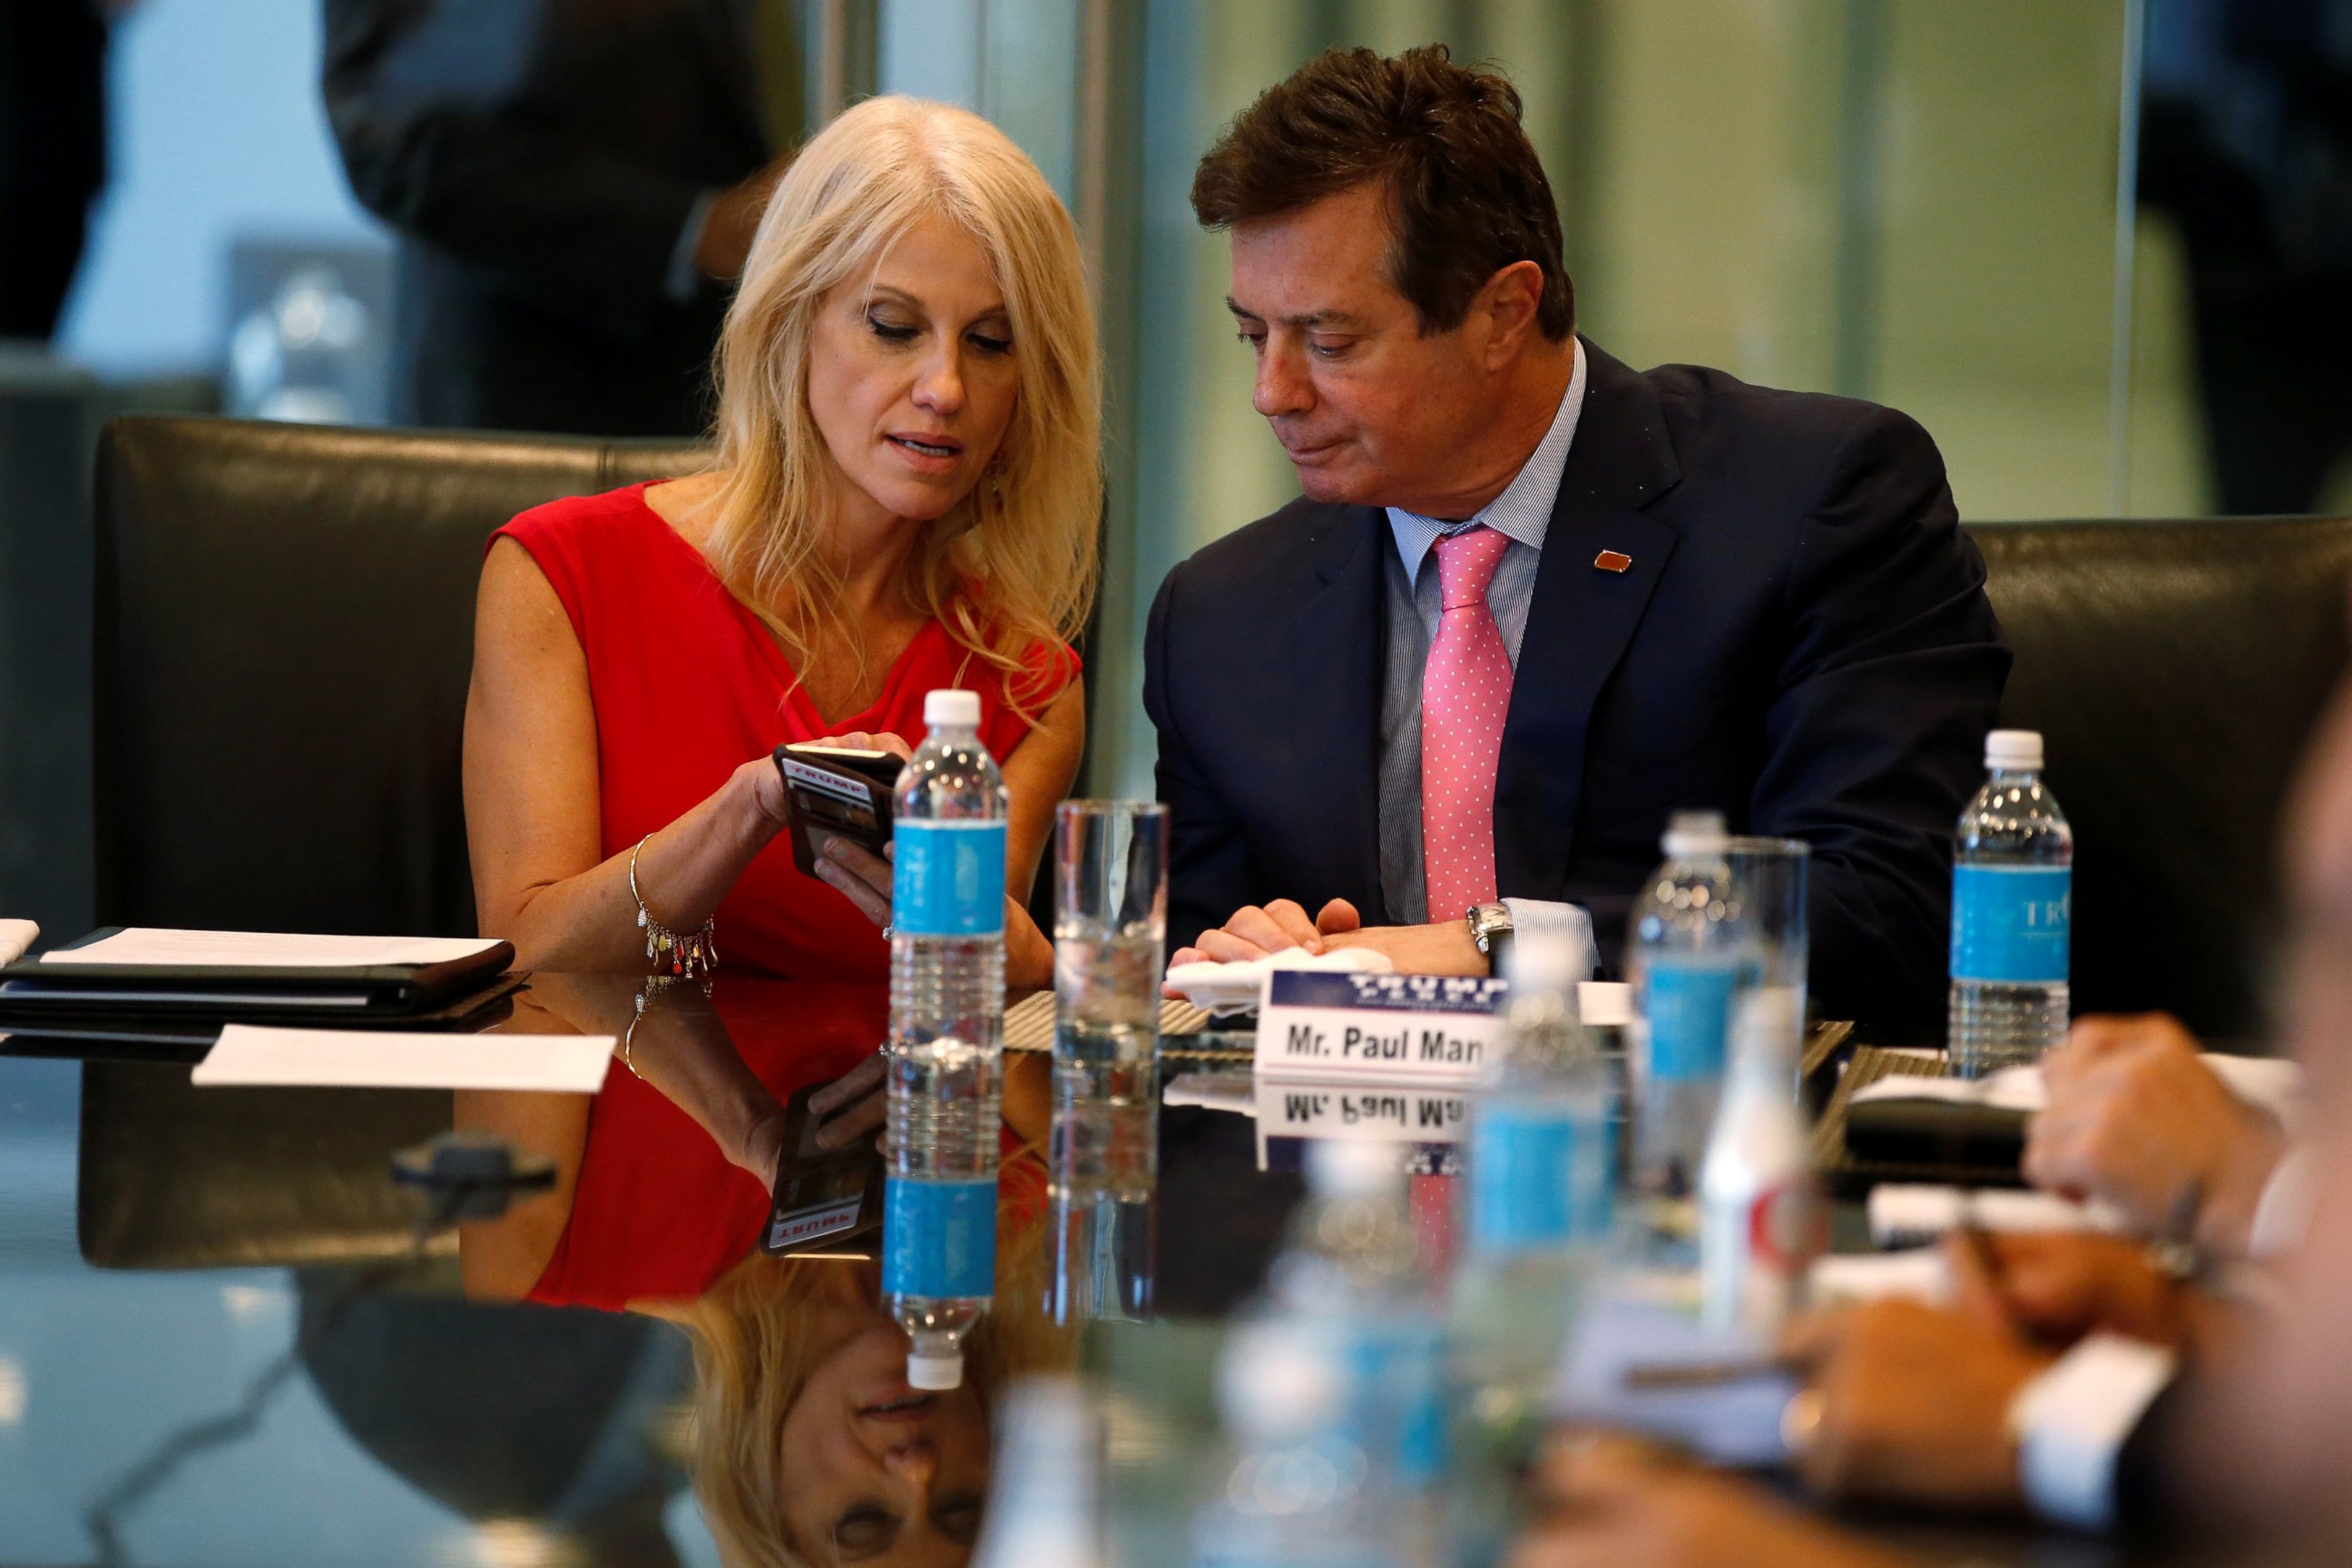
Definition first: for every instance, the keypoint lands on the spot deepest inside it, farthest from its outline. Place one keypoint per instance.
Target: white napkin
(1227, 988)
(2273, 1084)
(16, 936)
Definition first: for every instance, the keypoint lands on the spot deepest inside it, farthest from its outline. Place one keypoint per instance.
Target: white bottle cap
(952, 706)
(1604, 1004)
(2014, 750)
(1341, 1168)
(933, 1373)
(1692, 833)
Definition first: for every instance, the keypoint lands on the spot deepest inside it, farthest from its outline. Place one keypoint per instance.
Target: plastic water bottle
(1762, 1218)
(1332, 1389)
(946, 1028)
(2012, 891)
(1044, 1491)
(1541, 1167)
(1684, 958)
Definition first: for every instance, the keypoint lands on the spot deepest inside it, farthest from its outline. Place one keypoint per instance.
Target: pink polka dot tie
(1466, 690)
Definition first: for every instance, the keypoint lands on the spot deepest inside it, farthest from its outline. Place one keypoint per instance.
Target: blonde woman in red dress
(904, 495)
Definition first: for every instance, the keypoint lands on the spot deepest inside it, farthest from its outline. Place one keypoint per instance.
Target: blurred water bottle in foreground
(1684, 952)
(1763, 1220)
(1044, 1495)
(1332, 1390)
(2012, 894)
(1539, 1201)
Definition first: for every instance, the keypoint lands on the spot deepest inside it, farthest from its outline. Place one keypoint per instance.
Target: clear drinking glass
(1769, 879)
(1110, 918)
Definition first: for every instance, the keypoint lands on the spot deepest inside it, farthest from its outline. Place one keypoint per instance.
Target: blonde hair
(1010, 570)
(753, 1353)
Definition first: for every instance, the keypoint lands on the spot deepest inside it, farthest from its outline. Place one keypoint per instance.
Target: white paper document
(389, 1058)
(266, 950)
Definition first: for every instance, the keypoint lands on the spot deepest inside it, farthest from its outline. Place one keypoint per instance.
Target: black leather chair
(285, 633)
(2176, 669)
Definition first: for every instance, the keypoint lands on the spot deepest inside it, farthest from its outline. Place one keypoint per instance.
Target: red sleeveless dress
(687, 684)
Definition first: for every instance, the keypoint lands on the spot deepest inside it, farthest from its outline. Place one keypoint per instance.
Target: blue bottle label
(1537, 1178)
(948, 879)
(1689, 1011)
(2010, 923)
(938, 1239)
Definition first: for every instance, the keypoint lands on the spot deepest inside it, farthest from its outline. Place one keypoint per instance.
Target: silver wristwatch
(1490, 933)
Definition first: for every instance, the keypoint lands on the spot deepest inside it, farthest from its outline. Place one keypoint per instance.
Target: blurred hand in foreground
(1606, 1503)
(2136, 1119)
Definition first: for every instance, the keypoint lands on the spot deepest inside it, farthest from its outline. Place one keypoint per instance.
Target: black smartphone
(826, 1200)
(836, 791)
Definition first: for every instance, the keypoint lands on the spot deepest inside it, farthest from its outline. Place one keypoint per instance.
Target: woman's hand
(859, 875)
(852, 1105)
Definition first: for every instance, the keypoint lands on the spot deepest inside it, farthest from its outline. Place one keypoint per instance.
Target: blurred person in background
(574, 183)
(904, 497)
(2246, 144)
(52, 151)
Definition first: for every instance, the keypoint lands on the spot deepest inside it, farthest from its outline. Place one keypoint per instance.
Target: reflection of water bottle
(1763, 1221)
(947, 1025)
(1539, 1178)
(2012, 891)
(1683, 958)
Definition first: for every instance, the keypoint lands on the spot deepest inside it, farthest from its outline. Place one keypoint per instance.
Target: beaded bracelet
(696, 953)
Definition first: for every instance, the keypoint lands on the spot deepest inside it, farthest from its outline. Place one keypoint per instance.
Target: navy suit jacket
(1802, 641)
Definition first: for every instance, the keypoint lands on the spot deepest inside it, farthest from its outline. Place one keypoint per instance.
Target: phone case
(832, 791)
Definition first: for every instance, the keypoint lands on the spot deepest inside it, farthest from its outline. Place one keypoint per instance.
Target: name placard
(1432, 1031)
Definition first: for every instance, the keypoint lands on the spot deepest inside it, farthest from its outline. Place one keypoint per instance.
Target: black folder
(359, 996)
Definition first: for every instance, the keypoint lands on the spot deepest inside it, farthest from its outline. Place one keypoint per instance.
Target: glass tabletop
(227, 1333)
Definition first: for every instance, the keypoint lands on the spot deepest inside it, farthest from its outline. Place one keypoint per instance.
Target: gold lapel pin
(1612, 561)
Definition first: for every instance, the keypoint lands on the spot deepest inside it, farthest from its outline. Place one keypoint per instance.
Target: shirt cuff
(2071, 1422)
(1552, 923)
(684, 278)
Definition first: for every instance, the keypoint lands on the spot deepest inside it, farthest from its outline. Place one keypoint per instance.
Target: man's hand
(1257, 931)
(1910, 1404)
(1607, 1504)
(2061, 1288)
(2135, 1118)
(1442, 947)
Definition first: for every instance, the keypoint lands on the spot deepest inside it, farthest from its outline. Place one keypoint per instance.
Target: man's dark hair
(1466, 195)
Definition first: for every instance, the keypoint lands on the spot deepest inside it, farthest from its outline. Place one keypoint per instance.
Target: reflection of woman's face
(875, 1472)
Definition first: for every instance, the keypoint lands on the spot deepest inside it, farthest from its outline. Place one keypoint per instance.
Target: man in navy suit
(1698, 594)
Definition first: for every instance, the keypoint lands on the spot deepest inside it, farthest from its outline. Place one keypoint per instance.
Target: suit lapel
(1581, 620)
(1338, 644)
